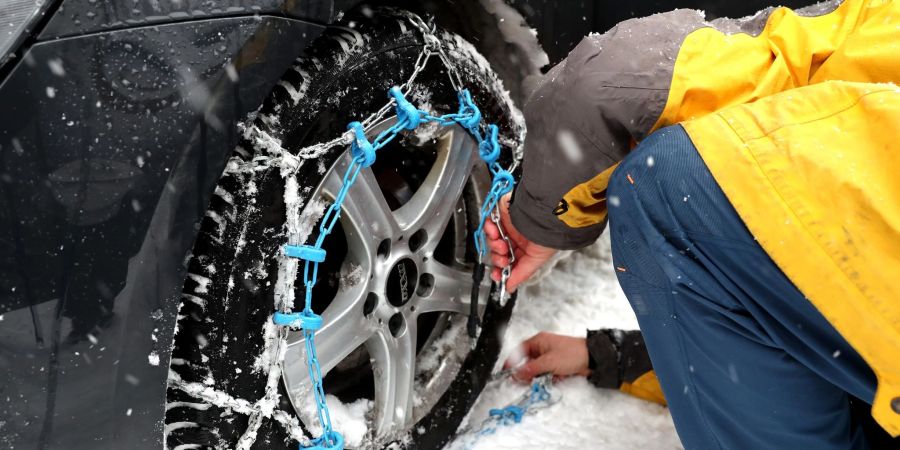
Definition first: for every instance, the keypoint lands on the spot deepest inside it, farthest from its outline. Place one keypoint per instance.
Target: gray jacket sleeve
(583, 118)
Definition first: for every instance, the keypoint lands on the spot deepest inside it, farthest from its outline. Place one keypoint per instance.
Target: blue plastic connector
(467, 107)
(539, 393)
(361, 149)
(407, 114)
(512, 412)
(504, 182)
(489, 149)
(305, 252)
(330, 441)
(305, 320)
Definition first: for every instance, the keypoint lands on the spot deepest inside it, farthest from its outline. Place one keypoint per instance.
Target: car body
(116, 119)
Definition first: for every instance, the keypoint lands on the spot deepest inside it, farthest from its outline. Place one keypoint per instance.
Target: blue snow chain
(538, 396)
(363, 153)
(510, 414)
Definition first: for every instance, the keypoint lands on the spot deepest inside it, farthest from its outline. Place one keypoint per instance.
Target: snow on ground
(579, 293)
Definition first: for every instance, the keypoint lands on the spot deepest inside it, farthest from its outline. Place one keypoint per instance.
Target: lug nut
(384, 249)
(370, 304)
(397, 325)
(417, 240)
(426, 285)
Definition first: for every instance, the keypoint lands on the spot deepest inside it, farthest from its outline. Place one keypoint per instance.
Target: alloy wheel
(406, 257)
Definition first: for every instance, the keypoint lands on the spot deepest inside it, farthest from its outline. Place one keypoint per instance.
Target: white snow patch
(351, 276)
(188, 446)
(56, 67)
(195, 300)
(349, 419)
(202, 283)
(231, 72)
(569, 146)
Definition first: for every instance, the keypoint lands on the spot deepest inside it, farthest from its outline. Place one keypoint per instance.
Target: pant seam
(687, 373)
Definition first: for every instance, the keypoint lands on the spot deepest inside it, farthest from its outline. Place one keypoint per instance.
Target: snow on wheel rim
(391, 278)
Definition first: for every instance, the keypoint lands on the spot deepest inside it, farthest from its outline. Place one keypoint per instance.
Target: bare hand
(529, 256)
(560, 355)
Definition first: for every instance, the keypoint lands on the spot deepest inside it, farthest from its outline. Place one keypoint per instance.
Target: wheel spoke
(345, 328)
(451, 290)
(393, 361)
(365, 207)
(431, 207)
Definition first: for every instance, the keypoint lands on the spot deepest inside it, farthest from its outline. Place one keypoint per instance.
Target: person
(748, 173)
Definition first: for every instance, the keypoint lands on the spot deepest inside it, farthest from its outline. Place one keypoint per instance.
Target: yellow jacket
(814, 171)
(797, 117)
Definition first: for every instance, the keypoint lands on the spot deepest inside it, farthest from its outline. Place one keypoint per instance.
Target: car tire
(228, 296)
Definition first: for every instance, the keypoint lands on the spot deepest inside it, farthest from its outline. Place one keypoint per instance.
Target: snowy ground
(579, 293)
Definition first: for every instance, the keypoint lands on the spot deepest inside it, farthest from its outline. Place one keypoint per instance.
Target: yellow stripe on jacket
(645, 387)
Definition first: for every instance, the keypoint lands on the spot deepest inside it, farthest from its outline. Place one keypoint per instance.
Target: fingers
(534, 368)
(506, 222)
(529, 256)
(544, 355)
(490, 229)
(524, 268)
(528, 349)
(499, 260)
(504, 204)
(498, 246)
(534, 346)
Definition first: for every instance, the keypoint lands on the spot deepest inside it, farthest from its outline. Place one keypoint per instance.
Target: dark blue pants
(745, 361)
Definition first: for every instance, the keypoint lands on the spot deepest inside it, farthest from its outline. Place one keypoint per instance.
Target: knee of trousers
(644, 198)
(650, 172)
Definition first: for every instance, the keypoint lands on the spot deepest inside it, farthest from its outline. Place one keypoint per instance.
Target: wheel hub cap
(401, 282)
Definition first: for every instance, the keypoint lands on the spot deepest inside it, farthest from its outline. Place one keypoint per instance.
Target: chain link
(539, 396)
(507, 269)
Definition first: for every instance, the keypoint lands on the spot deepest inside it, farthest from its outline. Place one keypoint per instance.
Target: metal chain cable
(363, 152)
(539, 396)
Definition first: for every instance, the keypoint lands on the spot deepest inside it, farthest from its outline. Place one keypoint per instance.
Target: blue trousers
(744, 359)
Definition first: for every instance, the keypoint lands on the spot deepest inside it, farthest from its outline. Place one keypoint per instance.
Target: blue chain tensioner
(363, 155)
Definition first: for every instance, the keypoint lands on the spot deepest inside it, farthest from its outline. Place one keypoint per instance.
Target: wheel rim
(391, 279)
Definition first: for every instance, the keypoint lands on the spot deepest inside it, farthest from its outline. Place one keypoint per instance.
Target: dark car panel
(85, 16)
(110, 147)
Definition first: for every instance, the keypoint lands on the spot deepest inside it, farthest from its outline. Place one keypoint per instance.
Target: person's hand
(529, 256)
(560, 355)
